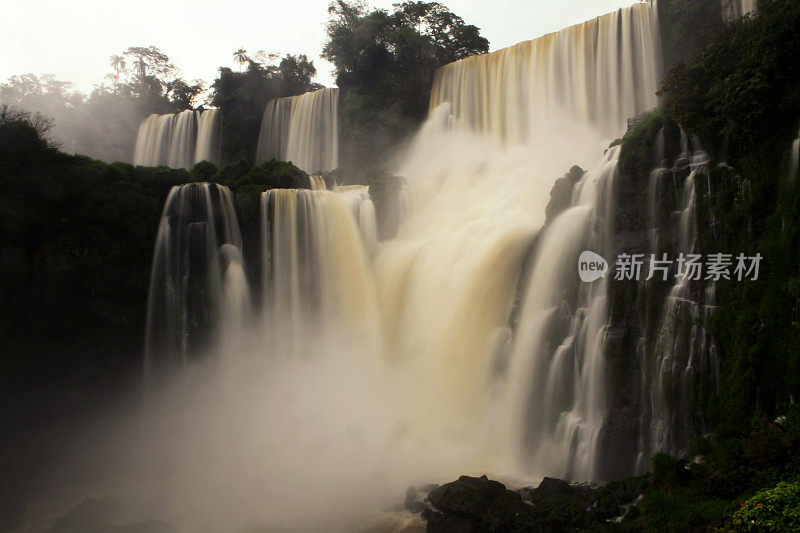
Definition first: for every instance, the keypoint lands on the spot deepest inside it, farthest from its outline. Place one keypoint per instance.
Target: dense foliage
(242, 96)
(742, 90)
(773, 510)
(385, 63)
(688, 25)
(76, 241)
(739, 93)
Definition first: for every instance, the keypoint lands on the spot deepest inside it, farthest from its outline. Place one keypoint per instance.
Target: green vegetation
(738, 89)
(385, 63)
(776, 509)
(736, 94)
(686, 26)
(76, 241)
(242, 96)
(104, 123)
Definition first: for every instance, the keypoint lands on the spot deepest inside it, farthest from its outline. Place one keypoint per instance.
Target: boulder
(477, 504)
(551, 488)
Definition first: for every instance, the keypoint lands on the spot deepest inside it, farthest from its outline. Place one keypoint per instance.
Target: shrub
(776, 509)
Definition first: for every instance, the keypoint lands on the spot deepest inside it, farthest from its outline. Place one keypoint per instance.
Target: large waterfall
(601, 72)
(179, 140)
(533, 109)
(467, 344)
(302, 129)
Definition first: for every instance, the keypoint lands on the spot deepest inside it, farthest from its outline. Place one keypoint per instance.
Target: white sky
(74, 39)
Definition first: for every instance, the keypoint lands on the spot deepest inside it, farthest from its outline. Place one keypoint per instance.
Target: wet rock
(561, 193)
(551, 488)
(447, 523)
(411, 497)
(477, 504)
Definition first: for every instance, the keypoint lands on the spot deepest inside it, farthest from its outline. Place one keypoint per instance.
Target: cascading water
(556, 374)
(179, 140)
(316, 265)
(428, 355)
(208, 136)
(794, 159)
(679, 363)
(601, 72)
(302, 129)
(197, 283)
(503, 125)
(734, 9)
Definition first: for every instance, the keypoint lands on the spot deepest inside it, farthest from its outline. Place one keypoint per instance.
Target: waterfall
(600, 73)
(179, 140)
(556, 374)
(794, 158)
(302, 129)
(734, 9)
(208, 137)
(316, 272)
(530, 376)
(197, 282)
(467, 343)
(679, 360)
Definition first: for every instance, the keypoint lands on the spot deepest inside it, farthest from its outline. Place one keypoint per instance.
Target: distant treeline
(384, 64)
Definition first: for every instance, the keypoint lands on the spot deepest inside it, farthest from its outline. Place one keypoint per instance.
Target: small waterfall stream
(197, 283)
(179, 140)
(679, 360)
(734, 9)
(302, 129)
(794, 159)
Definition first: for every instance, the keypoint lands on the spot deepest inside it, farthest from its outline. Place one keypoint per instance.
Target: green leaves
(775, 510)
(385, 64)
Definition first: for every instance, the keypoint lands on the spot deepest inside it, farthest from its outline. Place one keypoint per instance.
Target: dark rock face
(551, 488)
(473, 504)
(561, 193)
(411, 498)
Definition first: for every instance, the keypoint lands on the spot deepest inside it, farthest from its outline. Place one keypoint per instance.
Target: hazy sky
(74, 40)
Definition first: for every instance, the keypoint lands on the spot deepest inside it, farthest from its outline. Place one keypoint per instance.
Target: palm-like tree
(240, 56)
(118, 64)
(141, 66)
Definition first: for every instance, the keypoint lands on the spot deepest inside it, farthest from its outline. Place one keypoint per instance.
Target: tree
(296, 73)
(240, 56)
(182, 95)
(117, 63)
(242, 97)
(385, 64)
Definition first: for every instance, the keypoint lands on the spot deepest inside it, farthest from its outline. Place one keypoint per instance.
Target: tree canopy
(242, 96)
(385, 64)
